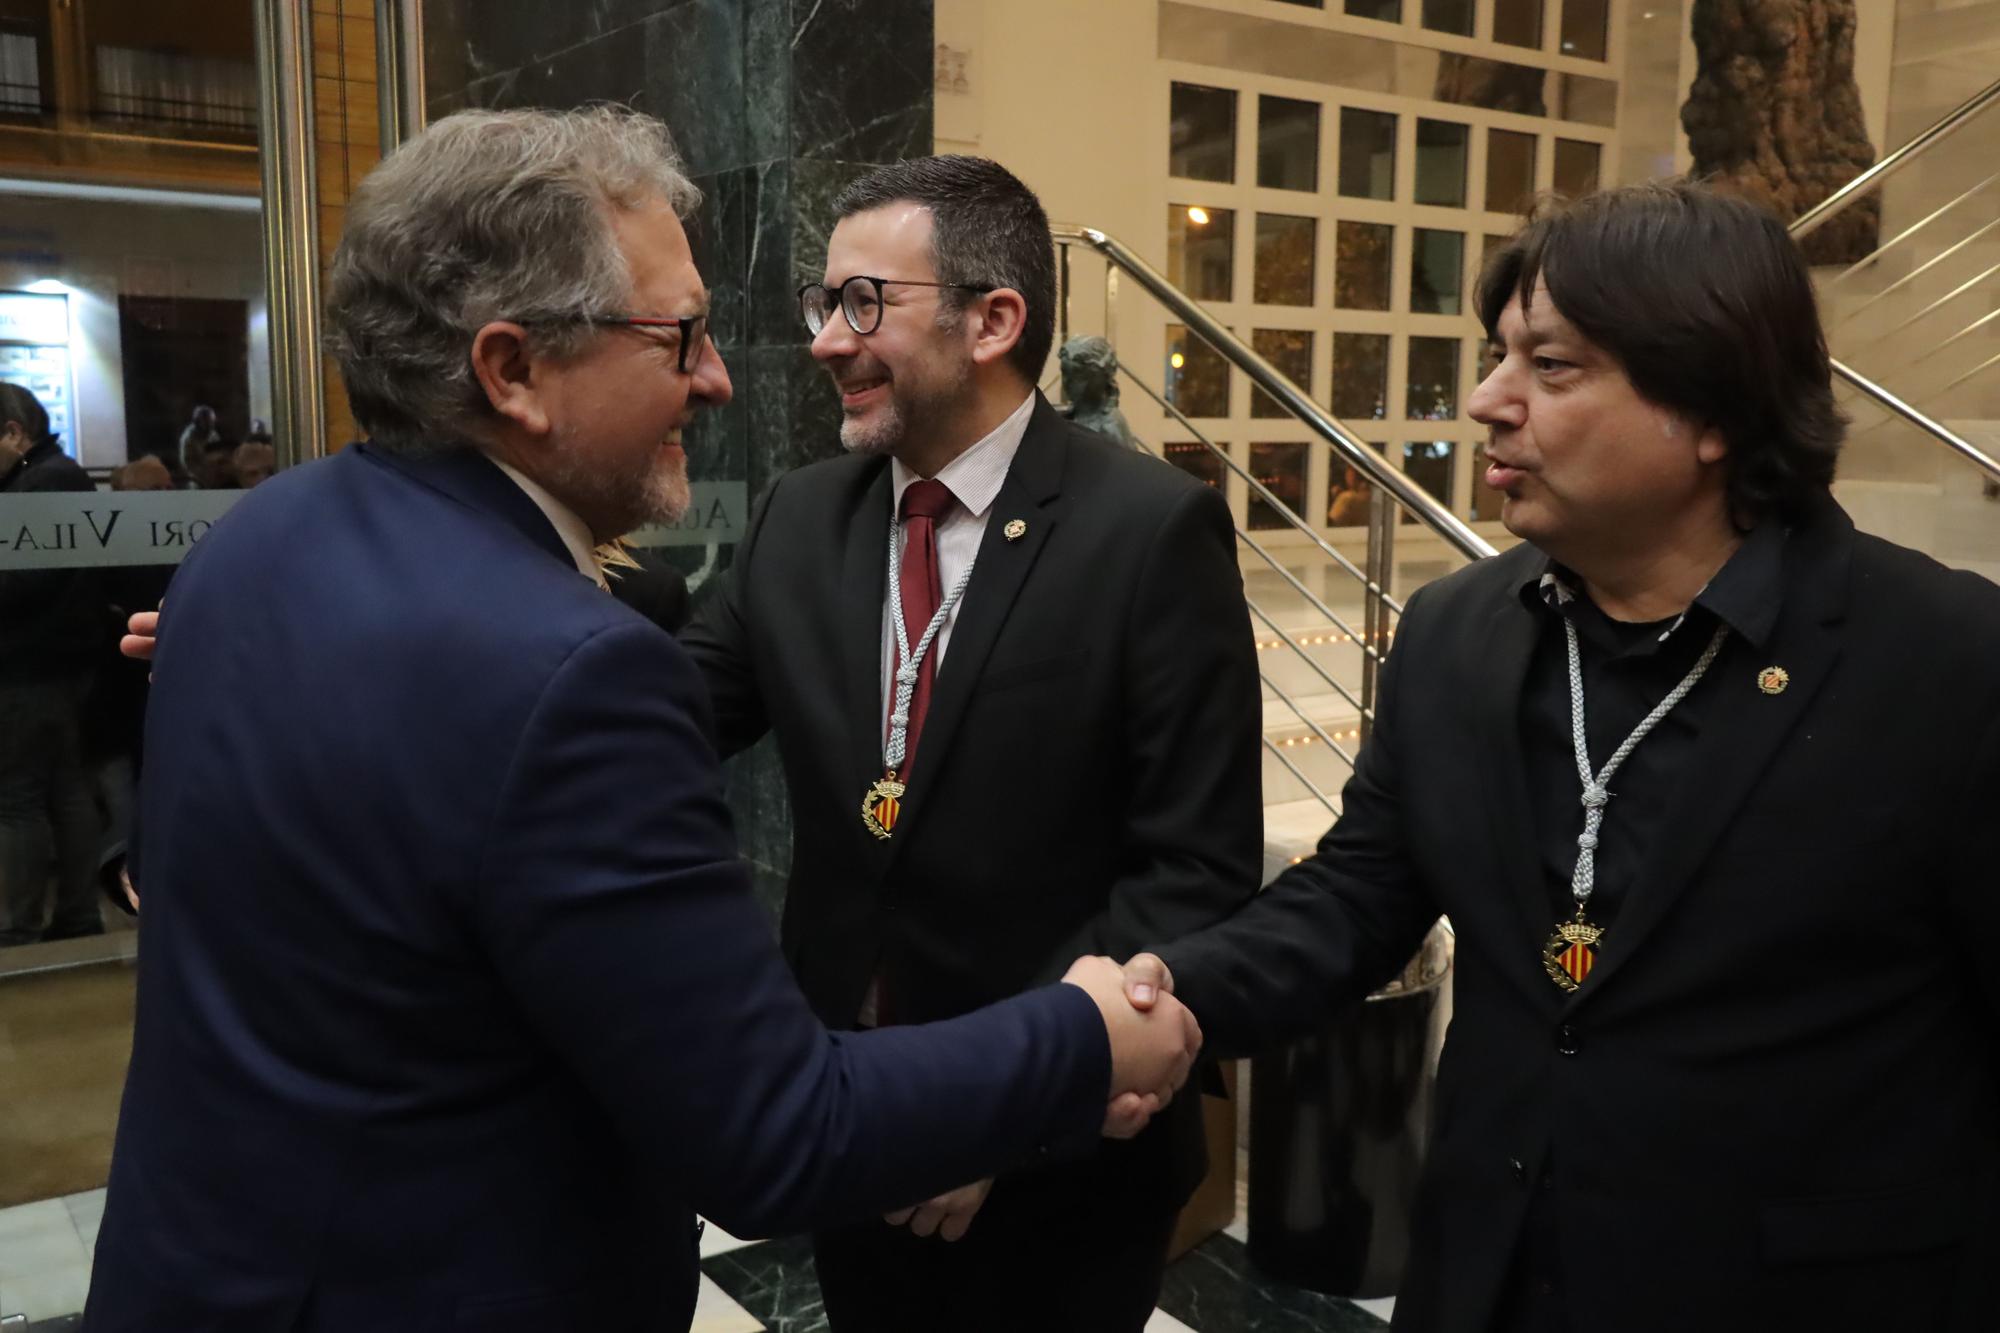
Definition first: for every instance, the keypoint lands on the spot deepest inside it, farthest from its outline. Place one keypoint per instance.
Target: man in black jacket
(52, 623)
(1704, 779)
(1036, 737)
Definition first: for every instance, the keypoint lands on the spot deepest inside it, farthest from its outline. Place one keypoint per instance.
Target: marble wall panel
(776, 105)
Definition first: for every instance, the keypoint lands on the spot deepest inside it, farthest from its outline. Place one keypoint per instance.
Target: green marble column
(776, 105)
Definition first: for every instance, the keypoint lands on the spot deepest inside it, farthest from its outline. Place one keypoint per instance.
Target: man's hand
(1151, 1051)
(948, 1215)
(1147, 978)
(131, 891)
(141, 632)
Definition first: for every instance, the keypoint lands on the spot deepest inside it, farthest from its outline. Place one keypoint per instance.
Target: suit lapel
(1031, 492)
(1741, 735)
(863, 584)
(1502, 656)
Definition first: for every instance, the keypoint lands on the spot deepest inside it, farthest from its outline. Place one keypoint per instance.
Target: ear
(507, 369)
(997, 320)
(1709, 445)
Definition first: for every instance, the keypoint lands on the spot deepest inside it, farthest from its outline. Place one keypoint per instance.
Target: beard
(626, 493)
(916, 404)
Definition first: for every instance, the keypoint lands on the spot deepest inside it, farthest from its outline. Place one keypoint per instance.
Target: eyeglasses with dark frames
(859, 300)
(692, 329)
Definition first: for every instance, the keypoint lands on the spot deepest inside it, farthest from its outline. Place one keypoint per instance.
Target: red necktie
(925, 504)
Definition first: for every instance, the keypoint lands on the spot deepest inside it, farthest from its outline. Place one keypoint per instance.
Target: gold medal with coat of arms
(1571, 952)
(882, 805)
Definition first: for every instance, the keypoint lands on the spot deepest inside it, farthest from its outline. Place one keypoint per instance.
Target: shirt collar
(1744, 594)
(575, 533)
(975, 476)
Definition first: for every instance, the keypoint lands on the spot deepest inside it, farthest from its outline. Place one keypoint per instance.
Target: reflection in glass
(1576, 167)
(1489, 245)
(1283, 271)
(1437, 263)
(1380, 65)
(1518, 22)
(1197, 377)
(1347, 493)
(1197, 460)
(1454, 16)
(1362, 255)
(1202, 133)
(1360, 376)
(1282, 470)
(23, 37)
(1428, 463)
(1586, 100)
(1584, 25)
(1432, 393)
(1291, 351)
(1367, 154)
(1510, 171)
(1389, 11)
(1441, 154)
(1201, 247)
(1287, 144)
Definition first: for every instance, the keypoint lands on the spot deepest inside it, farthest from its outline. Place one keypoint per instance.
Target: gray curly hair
(485, 215)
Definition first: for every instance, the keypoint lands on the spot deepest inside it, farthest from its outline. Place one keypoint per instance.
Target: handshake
(1154, 1040)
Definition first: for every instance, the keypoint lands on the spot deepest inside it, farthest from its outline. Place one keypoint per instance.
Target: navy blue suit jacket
(454, 1004)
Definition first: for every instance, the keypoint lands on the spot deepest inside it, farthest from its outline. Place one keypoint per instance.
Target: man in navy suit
(473, 1011)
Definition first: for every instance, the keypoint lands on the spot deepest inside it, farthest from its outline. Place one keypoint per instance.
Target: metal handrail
(1257, 487)
(1909, 231)
(1816, 217)
(1285, 636)
(1951, 438)
(1311, 725)
(1294, 399)
(1916, 272)
(1304, 781)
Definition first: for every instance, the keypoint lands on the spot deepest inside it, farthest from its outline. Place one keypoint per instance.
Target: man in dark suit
(1702, 776)
(453, 998)
(53, 623)
(1037, 737)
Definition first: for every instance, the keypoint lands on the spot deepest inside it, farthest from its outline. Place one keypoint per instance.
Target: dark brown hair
(1708, 306)
(987, 230)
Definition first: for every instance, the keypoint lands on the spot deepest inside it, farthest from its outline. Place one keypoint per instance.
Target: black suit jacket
(1772, 1104)
(1088, 777)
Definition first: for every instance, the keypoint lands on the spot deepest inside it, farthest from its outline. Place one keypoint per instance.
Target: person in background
(200, 432)
(214, 466)
(252, 464)
(52, 627)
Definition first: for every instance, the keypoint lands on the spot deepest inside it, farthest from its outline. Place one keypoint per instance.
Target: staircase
(1917, 323)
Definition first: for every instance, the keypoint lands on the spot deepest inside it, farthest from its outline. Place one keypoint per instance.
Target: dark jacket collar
(35, 457)
(1746, 594)
(471, 478)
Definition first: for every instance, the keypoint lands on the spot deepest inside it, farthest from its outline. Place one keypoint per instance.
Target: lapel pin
(1773, 680)
(1015, 530)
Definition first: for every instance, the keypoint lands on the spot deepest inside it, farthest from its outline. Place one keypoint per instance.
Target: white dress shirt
(575, 533)
(974, 480)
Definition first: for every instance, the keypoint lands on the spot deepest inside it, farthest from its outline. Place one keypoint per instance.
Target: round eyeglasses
(860, 300)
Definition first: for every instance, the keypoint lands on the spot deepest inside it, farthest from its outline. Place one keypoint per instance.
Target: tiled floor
(747, 1287)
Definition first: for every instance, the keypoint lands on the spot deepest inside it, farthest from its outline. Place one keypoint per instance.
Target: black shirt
(1627, 669)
